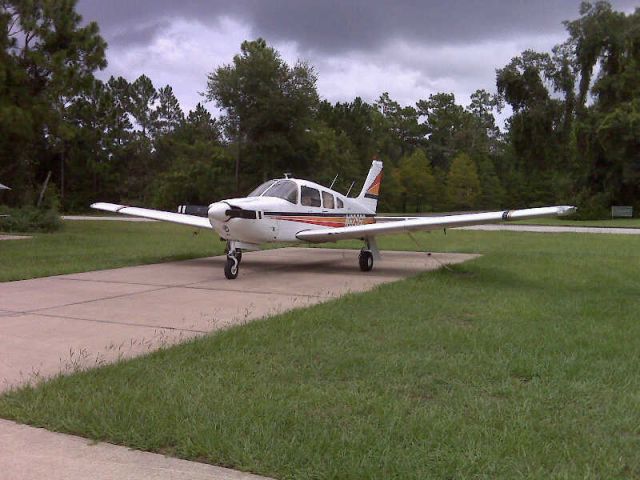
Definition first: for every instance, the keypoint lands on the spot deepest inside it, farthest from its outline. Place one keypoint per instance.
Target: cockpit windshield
(285, 189)
(261, 189)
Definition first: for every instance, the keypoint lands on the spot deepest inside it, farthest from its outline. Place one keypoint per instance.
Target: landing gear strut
(232, 266)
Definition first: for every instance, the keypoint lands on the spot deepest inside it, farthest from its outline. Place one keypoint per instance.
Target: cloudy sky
(409, 48)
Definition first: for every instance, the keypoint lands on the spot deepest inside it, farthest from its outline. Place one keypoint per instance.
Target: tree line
(573, 135)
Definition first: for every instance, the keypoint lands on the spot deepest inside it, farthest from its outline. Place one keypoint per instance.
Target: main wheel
(366, 260)
(231, 268)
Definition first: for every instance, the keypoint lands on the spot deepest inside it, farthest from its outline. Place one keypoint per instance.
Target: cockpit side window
(261, 189)
(310, 197)
(340, 203)
(285, 189)
(327, 200)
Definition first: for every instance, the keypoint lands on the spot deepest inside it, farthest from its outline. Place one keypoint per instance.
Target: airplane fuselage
(264, 218)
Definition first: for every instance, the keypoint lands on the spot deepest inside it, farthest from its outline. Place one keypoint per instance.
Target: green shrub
(30, 219)
(594, 207)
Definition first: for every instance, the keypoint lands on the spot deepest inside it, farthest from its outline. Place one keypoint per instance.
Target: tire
(366, 261)
(231, 268)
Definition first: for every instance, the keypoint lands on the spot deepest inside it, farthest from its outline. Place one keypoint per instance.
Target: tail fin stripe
(371, 188)
(374, 189)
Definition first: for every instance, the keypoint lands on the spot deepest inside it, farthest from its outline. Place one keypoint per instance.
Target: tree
(443, 122)
(168, 114)
(269, 107)
(359, 121)
(143, 97)
(463, 184)
(599, 34)
(333, 156)
(608, 131)
(485, 134)
(199, 174)
(401, 125)
(539, 88)
(118, 105)
(200, 126)
(493, 193)
(416, 181)
(49, 60)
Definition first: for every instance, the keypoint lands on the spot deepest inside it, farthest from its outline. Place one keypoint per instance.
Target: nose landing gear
(232, 266)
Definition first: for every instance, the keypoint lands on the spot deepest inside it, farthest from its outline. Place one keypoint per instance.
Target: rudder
(371, 188)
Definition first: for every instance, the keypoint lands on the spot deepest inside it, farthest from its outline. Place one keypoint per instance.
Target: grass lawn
(86, 245)
(521, 364)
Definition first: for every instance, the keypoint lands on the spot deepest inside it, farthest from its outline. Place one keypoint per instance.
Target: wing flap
(180, 218)
(429, 223)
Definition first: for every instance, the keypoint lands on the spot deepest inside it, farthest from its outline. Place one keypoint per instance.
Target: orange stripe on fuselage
(323, 221)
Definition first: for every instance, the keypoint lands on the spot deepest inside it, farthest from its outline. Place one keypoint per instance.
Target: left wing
(181, 218)
(414, 224)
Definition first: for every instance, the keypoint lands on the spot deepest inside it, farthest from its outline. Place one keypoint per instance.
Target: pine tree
(416, 181)
(168, 114)
(463, 184)
(493, 193)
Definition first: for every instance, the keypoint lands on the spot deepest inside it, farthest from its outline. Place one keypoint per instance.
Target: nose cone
(217, 211)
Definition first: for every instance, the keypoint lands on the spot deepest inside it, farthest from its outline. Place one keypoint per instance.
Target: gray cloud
(331, 26)
(409, 48)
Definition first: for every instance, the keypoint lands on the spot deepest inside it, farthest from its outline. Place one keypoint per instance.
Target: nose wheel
(232, 266)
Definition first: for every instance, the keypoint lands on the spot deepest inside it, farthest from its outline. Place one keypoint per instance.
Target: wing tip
(108, 207)
(567, 210)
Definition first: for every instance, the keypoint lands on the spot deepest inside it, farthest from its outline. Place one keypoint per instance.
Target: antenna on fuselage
(334, 181)
(349, 191)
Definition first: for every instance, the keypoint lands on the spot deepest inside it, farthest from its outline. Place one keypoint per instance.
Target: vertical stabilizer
(371, 188)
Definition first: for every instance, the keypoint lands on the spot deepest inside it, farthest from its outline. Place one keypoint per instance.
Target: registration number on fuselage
(354, 220)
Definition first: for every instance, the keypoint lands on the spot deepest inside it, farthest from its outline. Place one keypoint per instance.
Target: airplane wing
(392, 225)
(181, 218)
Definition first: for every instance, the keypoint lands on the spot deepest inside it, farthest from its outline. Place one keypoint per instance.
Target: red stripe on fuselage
(325, 222)
(334, 222)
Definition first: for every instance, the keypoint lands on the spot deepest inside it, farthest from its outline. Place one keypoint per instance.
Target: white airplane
(290, 210)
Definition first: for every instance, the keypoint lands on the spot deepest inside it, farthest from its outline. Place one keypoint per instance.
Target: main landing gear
(367, 254)
(234, 256)
(366, 260)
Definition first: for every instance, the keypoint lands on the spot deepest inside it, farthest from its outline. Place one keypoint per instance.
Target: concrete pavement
(28, 453)
(71, 322)
(14, 237)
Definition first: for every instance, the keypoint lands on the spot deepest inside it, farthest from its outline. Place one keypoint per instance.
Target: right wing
(181, 218)
(413, 224)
